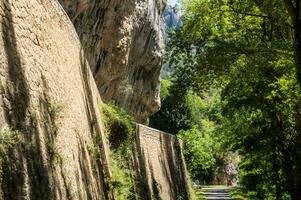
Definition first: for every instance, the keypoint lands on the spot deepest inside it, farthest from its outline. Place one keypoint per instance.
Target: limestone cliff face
(52, 144)
(172, 17)
(124, 45)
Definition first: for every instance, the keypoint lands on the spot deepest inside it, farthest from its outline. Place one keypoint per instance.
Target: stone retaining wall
(159, 165)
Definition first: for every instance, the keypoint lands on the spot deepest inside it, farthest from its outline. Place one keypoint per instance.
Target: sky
(172, 2)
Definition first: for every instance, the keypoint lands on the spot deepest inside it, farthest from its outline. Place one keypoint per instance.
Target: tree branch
(250, 14)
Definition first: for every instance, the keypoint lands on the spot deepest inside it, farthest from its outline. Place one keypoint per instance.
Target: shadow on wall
(15, 94)
(101, 159)
(26, 165)
(33, 167)
(168, 149)
(142, 188)
(173, 166)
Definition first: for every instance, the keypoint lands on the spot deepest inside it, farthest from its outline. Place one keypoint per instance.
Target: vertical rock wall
(124, 45)
(52, 144)
(159, 166)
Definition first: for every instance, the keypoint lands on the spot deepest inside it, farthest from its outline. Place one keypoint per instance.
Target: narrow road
(216, 193)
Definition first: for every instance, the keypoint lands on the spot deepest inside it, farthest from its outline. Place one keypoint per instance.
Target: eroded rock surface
(52, 144)
(124, 45)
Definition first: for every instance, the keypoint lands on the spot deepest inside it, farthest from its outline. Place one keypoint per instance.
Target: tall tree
(252, 52)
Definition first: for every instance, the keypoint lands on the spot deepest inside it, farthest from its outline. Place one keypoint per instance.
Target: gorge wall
(52, 143)
(159, 165)
(49, 117)
(124, 45)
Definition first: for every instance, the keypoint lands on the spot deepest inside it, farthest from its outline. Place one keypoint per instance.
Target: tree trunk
(294, 13)
(297, 27)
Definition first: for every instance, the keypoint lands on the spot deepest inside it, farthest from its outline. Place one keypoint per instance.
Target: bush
(121, 129)
(8, 138)
(122, 178)
(118, 124)
(199, 153)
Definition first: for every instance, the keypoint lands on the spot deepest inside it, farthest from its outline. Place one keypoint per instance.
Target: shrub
(8, 139)
(122, 178)
(121, 129)
(118, 124)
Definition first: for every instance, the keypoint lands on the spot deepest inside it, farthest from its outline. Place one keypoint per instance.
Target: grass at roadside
(199, 194)
(237, 194)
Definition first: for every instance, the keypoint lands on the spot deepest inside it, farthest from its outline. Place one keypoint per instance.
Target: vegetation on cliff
(120, 128)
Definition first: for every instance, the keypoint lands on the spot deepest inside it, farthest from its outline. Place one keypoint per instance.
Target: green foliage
(94, 149)
(122, 177)
(244, 51)
(199, 152)
(164, 89)
(199, 194)
(174, 114)
(53, 153)
(8, 139)
(112, 114)
(196, 194)
(119, 125)
(121, 130)
(55, 111)
(262, 113)
(195, 118)
(238, 194)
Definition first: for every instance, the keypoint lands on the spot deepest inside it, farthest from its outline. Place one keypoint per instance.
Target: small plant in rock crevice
(55, 110)
(8, 139)
(53, 153)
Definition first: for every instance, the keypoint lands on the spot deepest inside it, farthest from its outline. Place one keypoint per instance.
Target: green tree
(248, 49)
